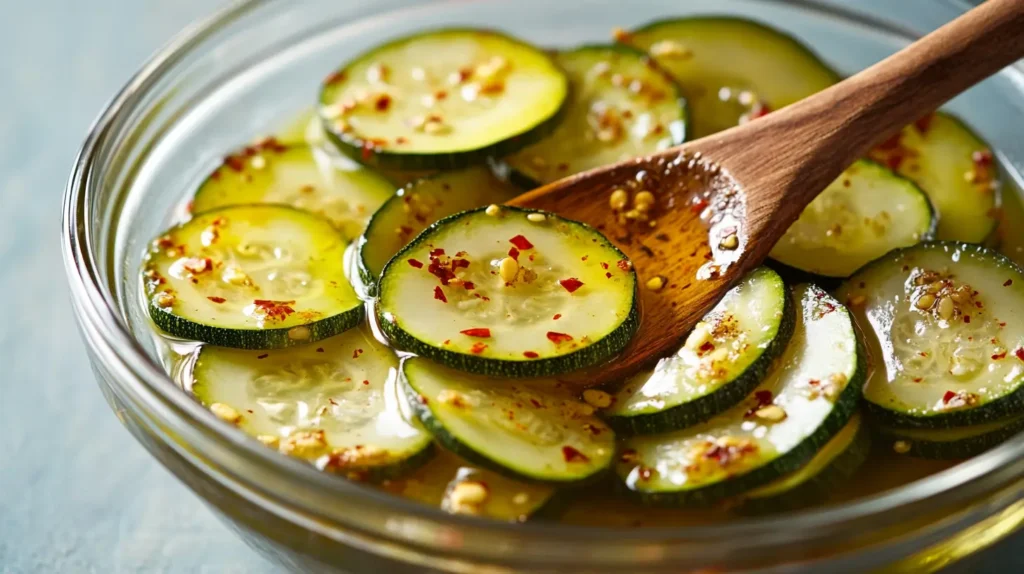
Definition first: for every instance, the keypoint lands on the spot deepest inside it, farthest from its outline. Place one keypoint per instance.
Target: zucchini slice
(817, 480)
(457, 487)
(621, 106)
(442, 99)
(297, 175)
(529, 430)
(419, 204)
(954, 443)
(723, 359)
(807, 398)
(732, 70)
(864, 214)
(954, 167)
(509, 292)
(944, 322)
(335, 403)
(251, 277)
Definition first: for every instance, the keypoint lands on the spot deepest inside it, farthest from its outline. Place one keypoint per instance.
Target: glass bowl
(241, 73)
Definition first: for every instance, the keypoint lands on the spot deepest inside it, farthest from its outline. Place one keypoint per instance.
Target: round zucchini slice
(419, 204)
(954, 443)
(732, 70)
(864, 214)
(251, 277)
(334, 403)
(621, 106)
(954, 167)
(297, 175)
(817, 480)
(944, 322)
(527, 430)
(442, 99)
(726, 355)
(808, 397)
(457, 487)
(509, 292)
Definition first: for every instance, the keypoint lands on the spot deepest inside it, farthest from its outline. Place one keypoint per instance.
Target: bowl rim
(98, 313)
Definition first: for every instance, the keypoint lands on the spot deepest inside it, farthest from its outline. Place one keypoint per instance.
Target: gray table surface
(77, 494)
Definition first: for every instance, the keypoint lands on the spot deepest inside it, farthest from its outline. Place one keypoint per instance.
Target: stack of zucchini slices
(301, 255)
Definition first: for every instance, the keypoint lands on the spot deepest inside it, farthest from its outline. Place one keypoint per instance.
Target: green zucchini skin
(588, 356)
(732, 392)
(971, 445)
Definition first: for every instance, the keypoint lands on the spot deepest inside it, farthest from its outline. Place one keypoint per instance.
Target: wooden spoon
(752, 181)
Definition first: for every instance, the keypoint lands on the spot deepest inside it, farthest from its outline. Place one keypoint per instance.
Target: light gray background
(77, 494)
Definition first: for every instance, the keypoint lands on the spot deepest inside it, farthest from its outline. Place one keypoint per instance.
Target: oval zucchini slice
(621, 106)
(864, 214)
(334, 403)
(529, 430)
(723, 359)
(457, 487)
(732, 70)
(421, 203)
(442, 99)
(944, 322)
(814, 482)
(251, 277)
(807, 398)
(345, 193)
(954, 167)
(954, 443)
(519, 293)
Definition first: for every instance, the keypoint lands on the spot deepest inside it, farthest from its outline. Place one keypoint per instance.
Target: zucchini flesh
(251, 277)
(865, 213)
(732, 70)
(621, 106)
(334, 403)
(421, 203)
(953, 443)
(954, 167)
(442, 99)
(944, 322)
(807, 398)
(437, 484)
(269, 172)
(570, 302)
(722, 360)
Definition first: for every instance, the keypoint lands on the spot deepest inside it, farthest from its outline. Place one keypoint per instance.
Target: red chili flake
(356, 353)
(416, 263)
(699, 204)
(892, 142)
(536, 404)
(623, 264)
(482, 332)
(513, 253)
(440, 94)
(401, 140)
(383, 103)
(319, 349)
(424, 400)
(608, 275)
(646, 473)
(334, 78)
(706, 346)
(521, 242)
(584, 258)
(950, 395)
(762, 110)
(924, 123)
(571, 284)
(558, 338)
(459, 263)
(436, 252)
(604, 265)
(263, 356)
(918, 379)
(1019, 353)
(365, 382)
(763, 398)
(477, 348)
(982, 157)
(468, 285)
(443, 273)
(967, 318)
(275, 309)
(530, 354)
(217, 300)
(1008, 282)
(999, 356)
(570, 454)
(556, 317)
(439, 295)
(405, 230)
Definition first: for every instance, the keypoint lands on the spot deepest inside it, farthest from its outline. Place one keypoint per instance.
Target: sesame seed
(492, 210)
(536, 218)
(901, 447)
(656, 283)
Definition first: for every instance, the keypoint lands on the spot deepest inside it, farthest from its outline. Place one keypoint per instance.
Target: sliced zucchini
(817, 480)
(442, 99)
(807, 398)
(621, 106)
(251, 277)
(723, 359)
(944, 322)
(519, 293)
(954, 167)
(297, 175)
(334, 403)
(732, 70)
(954, 443)
(529, 430)
(419, 204)
(864, 214)
(457, 487)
